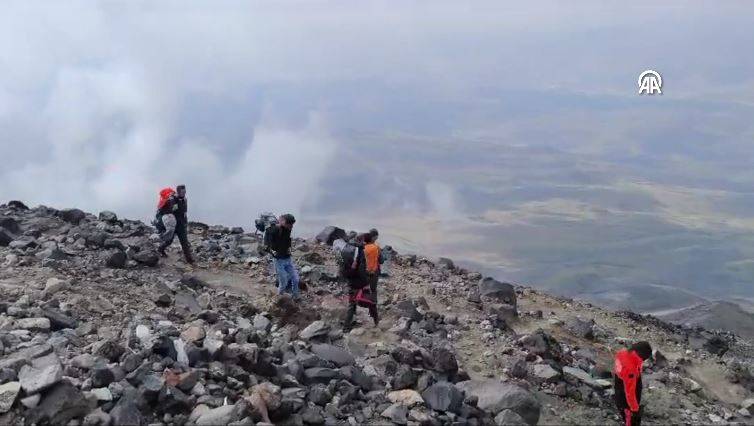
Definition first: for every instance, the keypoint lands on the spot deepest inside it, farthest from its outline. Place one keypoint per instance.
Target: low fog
(248, 103)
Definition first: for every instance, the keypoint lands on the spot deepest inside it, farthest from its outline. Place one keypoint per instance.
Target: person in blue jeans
(277, 240)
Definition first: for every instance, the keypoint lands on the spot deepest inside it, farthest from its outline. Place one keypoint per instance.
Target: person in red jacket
(627, 373)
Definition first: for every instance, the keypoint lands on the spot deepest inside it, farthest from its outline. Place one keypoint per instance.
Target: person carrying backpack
(627, 373)
(381, 258)
(277, 241)
(362, 283)
(165, 195)
(175, 203)
(373, 260)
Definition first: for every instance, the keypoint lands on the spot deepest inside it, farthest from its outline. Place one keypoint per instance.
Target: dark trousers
(620, 401)
(181, 230)
(353, 289)
(159, 224)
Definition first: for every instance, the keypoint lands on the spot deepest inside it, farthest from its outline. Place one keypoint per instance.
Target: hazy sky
(257, 105)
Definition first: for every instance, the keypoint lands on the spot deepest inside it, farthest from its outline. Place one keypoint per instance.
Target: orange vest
(372, 256)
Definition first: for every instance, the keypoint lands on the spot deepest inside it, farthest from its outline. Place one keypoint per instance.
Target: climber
(277, 241)
(627, 373)
(175, 203)
(362, 279)
(373, 259)
(381, 258)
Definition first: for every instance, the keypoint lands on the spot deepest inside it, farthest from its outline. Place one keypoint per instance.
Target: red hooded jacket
(628, 368)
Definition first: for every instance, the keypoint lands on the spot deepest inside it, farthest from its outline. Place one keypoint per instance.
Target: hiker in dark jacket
(277, 240)
(177, 205)
(362, 280)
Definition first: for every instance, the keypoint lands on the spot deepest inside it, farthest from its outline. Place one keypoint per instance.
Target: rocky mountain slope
(96, 329)
(718, 315)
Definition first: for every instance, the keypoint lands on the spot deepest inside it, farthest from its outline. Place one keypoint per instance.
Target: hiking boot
(376, 322)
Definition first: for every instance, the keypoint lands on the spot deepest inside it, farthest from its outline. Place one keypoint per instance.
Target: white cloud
(94, 96)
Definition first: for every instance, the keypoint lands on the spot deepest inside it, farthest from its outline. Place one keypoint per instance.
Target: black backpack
(265, 221)
(347, 254)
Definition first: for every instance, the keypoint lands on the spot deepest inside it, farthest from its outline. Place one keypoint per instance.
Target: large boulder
(58, 320)
(404, 378)
(319, 395)
(96, 238)
(112, 243)
(108, 349)
(74, 216)
(33, 324)
(397, 414)
(315, 329)
(333, 354)
(357, 376)
(542, 344)
(330, 234)
(17, 205)
(52, 253)
(502, 312)
(10, 225)
(61, 404)
(312, 416)
(407, 309)
(504, 292)
(407, 397)
(219, 416)
(545, 373)
(509, 418)
(147, 257)
(54, 285)
(165, 347)
(21, 357)
(116, 259)
(5, 237)
(443, 396)
(446, 263)
(473, 295)
(262, 323)
(34, 380)
(444, 360)
(495, 396)
(108, 216)
(23, 243)
(102, 377)
(320, 375)
(126, 411)
(271, 394)
(8, 394)
(581, 328)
